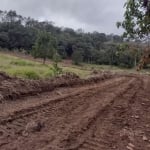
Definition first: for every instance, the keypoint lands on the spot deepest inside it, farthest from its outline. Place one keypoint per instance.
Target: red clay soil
(113, 113)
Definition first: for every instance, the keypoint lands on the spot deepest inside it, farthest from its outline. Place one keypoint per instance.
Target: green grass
(24, 68)
(18, 67)
(15, 66)
(20, 62)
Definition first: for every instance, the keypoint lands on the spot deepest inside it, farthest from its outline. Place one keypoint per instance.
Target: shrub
(57, 58)
(56, 69)
(32, 75)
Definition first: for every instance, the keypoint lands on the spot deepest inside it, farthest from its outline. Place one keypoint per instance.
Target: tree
(136, 19)
(77, 57)
(21, 33)
(44, 46)
(130, 51)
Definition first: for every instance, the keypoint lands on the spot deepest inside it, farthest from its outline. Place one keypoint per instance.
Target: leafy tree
(21, 33)
(44, 46)
(128, 54)
(136, 18)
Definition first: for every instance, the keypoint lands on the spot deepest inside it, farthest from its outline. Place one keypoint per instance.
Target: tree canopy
(45, 46)
(136, 19)
(18, 32)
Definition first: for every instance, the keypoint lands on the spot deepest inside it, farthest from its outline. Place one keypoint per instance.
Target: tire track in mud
(139, 120)
(13, 126)
(103, 136)
(32, 110)
(80, 129)
(86, 144)
(79, 113)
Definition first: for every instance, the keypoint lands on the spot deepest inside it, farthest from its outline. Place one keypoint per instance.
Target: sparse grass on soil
(24, 68)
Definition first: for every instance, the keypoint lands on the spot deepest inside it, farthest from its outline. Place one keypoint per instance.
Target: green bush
(56, 69)
(57, 58)
(31, 75)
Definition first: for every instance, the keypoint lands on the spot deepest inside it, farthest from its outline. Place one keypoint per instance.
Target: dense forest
(21, 33)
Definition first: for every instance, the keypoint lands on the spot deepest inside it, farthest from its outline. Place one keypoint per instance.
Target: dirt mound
(69, 75)
(4, 76)
(13, 88)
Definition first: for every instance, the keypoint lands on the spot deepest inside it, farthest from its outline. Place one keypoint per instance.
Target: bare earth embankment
(105, 112)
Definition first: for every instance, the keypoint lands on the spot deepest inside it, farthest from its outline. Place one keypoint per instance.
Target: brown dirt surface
(12, 88)
(104, 112)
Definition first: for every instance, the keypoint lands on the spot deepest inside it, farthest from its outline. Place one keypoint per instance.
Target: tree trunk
(44, 60)
(135, 62)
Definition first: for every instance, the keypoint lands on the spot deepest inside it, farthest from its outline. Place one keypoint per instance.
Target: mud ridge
(14, 88)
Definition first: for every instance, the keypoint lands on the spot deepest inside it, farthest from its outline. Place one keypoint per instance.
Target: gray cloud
(91, 15)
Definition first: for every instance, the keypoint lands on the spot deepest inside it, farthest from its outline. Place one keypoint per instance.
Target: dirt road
(113, 113)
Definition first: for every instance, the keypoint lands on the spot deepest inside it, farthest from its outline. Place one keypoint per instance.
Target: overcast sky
(90, 15)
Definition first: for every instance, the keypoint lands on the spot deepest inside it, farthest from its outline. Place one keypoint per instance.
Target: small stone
(1, 97)
(59, 93)
(145, 138)
(34, 126)
(25, 134)
(137, 117)
(114, 147)
(129, 148)
(131, 145)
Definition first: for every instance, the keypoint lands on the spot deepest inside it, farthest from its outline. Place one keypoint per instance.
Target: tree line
(45, 40)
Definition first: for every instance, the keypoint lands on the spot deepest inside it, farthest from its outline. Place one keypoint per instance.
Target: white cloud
(91, 15)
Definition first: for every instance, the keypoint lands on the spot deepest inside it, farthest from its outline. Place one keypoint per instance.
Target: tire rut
(13, 125)
(105, 140)
(75, 119)
(42, 107)
(77, 133)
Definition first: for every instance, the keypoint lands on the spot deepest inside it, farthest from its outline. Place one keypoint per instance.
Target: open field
(34, 69)
(25, 66)
(69, 80)
(103, 111)
(106, 112)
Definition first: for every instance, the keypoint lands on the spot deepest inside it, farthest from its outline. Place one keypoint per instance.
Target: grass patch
(83, 73)
(18, 67)
(29, 74)
(34, 70)
(49, 74)
(20, 62)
